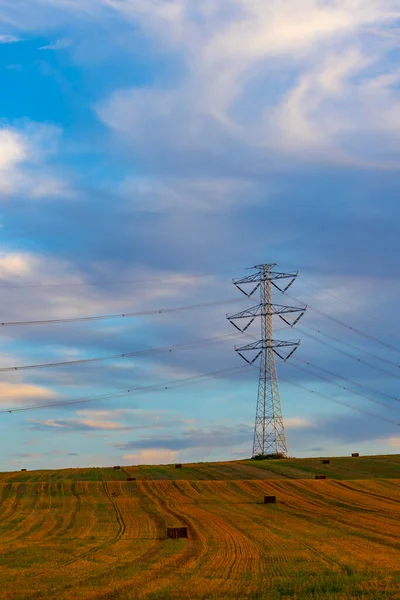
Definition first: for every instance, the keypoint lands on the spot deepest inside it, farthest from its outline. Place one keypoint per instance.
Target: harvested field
(366, 467)
(63, 536)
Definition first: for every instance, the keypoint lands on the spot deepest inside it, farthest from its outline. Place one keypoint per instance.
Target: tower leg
(269, 431)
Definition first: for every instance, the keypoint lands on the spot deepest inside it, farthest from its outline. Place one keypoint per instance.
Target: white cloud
(208, 195)
(51, 423)
(60, 44)
(76, 296)
(16, 264)
(23, 162)
(348, 296)
(8, 39)
(299, 423)
(394, 442)
(313, 78)
(22, 393)
(13, 148)
(304, 77)
(151, 457)
(81, 424)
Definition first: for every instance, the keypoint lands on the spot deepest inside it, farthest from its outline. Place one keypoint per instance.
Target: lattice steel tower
(269, 430)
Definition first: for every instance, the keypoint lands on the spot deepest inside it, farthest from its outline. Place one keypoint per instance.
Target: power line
(122, 315)
(339, 401)
(341, 387)
(344, 378)
(357, 348)
(166, 385)
(350, 381)
(179, 383)
(347, 326)
(347, 303)
(360, 360)
(160, 349)
(330, 398)
(350, 304)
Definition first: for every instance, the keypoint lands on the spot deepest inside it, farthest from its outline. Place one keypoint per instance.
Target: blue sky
(150, 151)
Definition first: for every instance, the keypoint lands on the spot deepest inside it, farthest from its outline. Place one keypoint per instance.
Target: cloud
(80, 424)
(62, 288)
(151, 457)
(23, 158)
(16, 264)
(23, 393)
(13, 148)
(394, 442)
(51, 423)
(32, 455)
(8, 39)
(119, 419)
(60, 44)
(343, 430)
(207, 195)
(305, 78)
(273, 77)
(218, 436)
(298, 423)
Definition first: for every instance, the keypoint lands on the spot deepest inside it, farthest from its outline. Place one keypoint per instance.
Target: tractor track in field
(231, 534)
(120, 518)
(276, 531)
(355, 471)
(67, 523)
(110, 542)
(366, 492)
(358, 530)
(147, 555)
(162, 575)
(15, 530)
(6, 493)
(145, 500)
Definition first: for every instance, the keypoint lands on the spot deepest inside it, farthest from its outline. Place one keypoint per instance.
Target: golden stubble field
(90, 534)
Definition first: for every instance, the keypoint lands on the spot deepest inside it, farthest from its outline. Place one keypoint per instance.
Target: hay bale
(178, 466)
(177, 532)
(355, 455)
(269, 499)
(325, 461)
(116, 468)
(320, 477)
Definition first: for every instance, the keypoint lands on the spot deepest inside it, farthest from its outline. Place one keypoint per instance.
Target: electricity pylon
(269, 430)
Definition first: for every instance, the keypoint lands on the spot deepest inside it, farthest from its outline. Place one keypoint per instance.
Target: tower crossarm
(277, 346)
(266, 310)
(264, 273)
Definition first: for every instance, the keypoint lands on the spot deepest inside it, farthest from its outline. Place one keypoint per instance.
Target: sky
(150, 152)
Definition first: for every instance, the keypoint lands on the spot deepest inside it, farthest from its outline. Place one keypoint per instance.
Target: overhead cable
(339, 401)
(306, 362)
(139, 390)
(357, 348)
(161, 349)
(347, 326)
(122, 315)
(359, 360)
(351, 305)
(341, 387)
